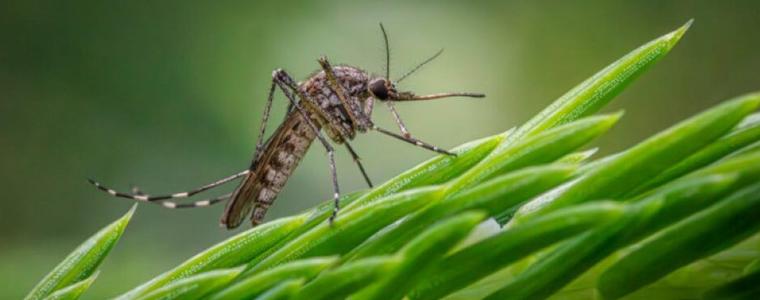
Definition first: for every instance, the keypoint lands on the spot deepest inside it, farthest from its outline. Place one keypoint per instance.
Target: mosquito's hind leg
(200, 203)
(139, 196)
(287, 84)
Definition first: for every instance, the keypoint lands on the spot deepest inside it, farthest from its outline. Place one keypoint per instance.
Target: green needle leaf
(574, 257)
(542, 148)
(232, 252)
(598, 90)
(745, 134)
(252, 286)
(487, 256)
(705, 233)
(85, 259)
(73, 291)
(745, 287)
(346, 279)
(350, 228)
(283, 291)
(420, 255)
(495, 196)
(628, 170)
(194, 287)
(434, 171)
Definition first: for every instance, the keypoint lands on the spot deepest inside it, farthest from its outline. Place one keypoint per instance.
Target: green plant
(633, 222)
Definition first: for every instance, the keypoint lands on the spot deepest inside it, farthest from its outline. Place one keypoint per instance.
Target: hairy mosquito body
(286, 147)
(337, 101)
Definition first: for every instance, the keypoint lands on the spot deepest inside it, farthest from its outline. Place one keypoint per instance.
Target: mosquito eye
(379, 89)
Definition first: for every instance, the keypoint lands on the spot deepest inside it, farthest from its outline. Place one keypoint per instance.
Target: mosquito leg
(147, 198)
(136, 190)
(412, 141)
(263, 127)
(201, 203)
(352, 111)
(400, 123)
(405, 135)
(358, 162)
(286, 83)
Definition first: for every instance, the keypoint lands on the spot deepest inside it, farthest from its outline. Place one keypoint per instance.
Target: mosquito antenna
(420, 65)
(387, 53)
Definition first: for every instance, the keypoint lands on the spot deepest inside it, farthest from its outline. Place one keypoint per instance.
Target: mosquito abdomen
(270, 171)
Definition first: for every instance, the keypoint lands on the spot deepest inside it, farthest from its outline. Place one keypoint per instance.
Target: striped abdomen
(270, 171)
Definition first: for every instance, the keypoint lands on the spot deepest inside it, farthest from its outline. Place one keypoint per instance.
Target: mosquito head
(382, 89)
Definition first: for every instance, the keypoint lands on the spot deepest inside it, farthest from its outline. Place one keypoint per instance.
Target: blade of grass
(736, 139)
(495, 196)
(598, 90)
(232, 252)
(705, 233)
(74, 291)
(252, 286)
(84, 260)
(346, 279)
(752, 266)
(283, 291)
(754, 147)
(542, 148)
(578, 157)
(487, 256)
(574, 257)
(420, 255)
(745, 287)
(746, 166)
(434, 171)
(193, 287)
(630, 169)
(316, 215)
(350, 228)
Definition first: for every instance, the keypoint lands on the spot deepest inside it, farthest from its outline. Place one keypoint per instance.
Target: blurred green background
(169, 95)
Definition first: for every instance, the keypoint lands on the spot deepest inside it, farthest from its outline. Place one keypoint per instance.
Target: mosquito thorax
(351, 118)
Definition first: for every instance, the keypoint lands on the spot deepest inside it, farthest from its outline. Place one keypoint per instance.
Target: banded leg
(405, 135)
(171, 204)
(147, 198)
(263, 127)
(412, 140)
(200, 203)
(287, 84)
(400, 123)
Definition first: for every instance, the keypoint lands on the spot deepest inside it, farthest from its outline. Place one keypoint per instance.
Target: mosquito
(335, 103)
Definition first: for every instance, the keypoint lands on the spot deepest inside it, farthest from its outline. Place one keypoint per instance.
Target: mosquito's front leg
(354, 113)
(401, 125)
(412, 141)
(286, 84)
